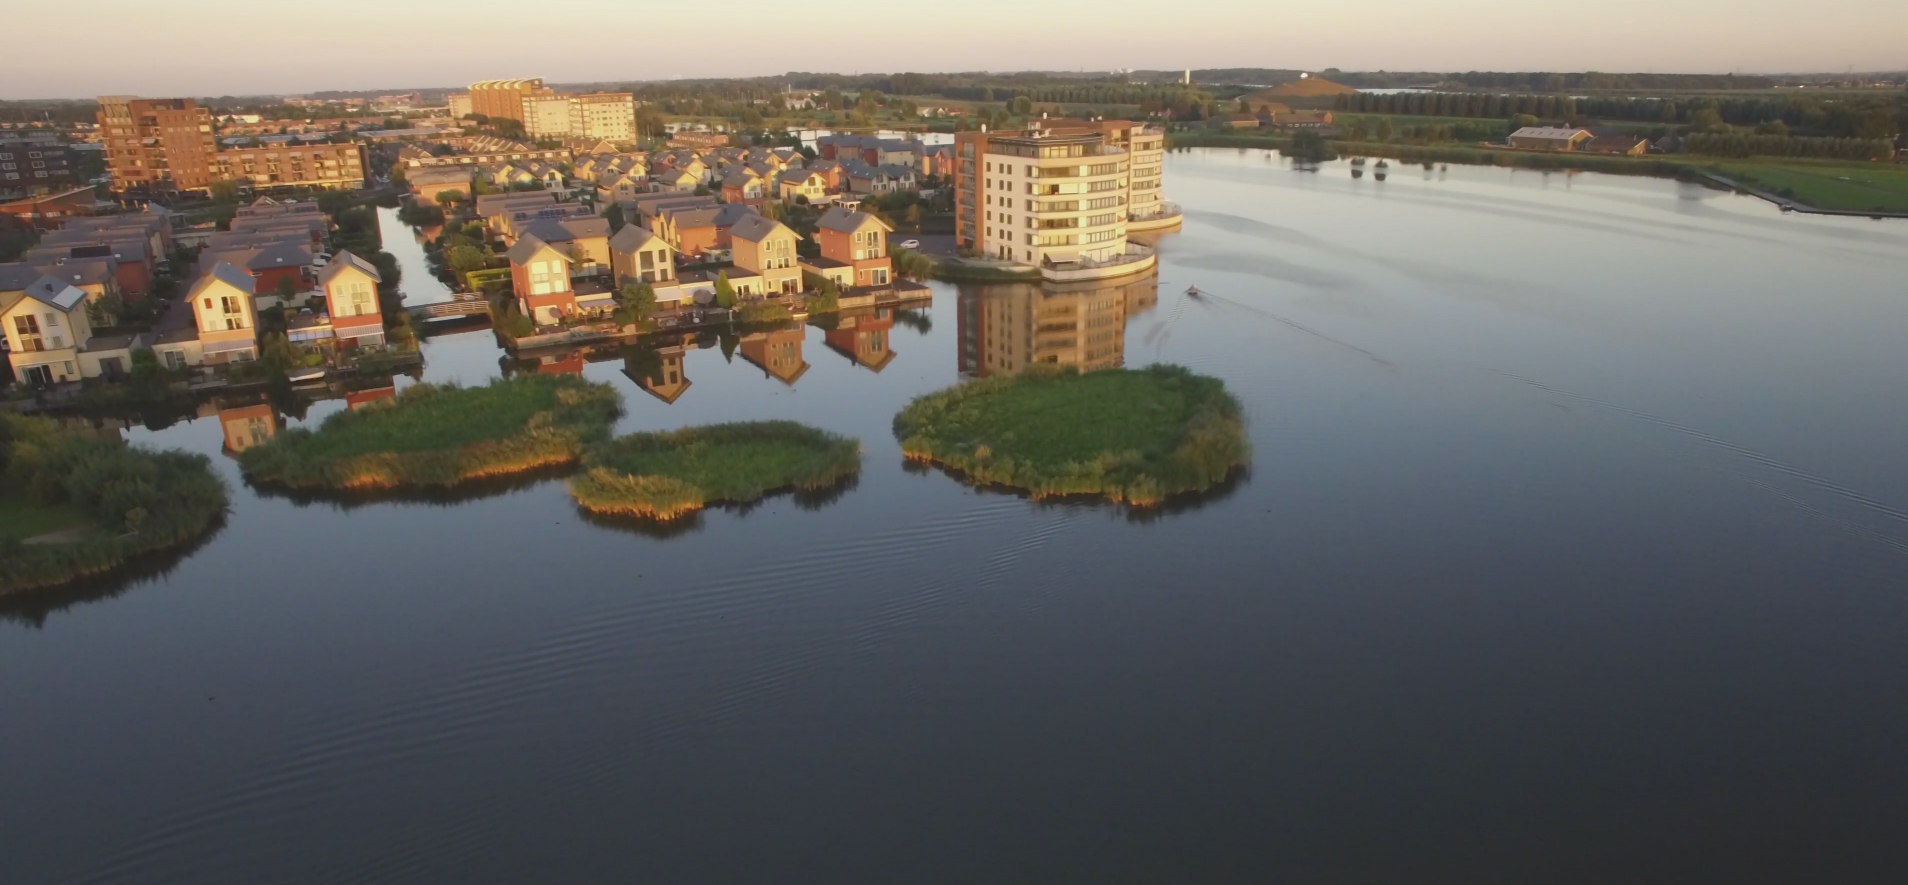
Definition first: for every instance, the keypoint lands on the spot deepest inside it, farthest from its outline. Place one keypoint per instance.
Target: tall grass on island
(435, 436)
(662, 476)
(1131, 435)
(112, 501)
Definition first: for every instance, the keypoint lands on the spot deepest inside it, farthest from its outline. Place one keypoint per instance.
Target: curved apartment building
(504, 98)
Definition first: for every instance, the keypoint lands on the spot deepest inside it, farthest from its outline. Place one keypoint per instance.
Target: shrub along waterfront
(114, 501)
(667, 475)
(1134, 435)
(438, 436)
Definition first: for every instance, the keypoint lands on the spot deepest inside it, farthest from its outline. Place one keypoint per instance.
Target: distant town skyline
(187, 46)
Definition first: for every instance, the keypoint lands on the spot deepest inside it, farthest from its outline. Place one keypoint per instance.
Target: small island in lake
(435, 436)
(663, 476)
(75, 503)
(1132, 435)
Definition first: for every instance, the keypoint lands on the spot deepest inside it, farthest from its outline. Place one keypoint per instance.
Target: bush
(434, 436)
(763, 312)
(667, 475)
(139, 500)
(1129, 435)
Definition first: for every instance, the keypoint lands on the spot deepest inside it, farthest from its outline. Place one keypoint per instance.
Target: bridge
(464, 305)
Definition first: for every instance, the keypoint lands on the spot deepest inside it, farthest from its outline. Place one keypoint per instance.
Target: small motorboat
(307, 376)
(1192, 291)
(1358, 161)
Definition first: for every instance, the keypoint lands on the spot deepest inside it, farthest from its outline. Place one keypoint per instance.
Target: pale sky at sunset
(198, 47)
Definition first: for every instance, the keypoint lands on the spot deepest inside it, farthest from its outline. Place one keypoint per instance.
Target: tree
(1384, 129)
(724, 293)
(287, 290)
(1022, 105)
(447, 198)
(1309, 146)
(634, 303)
(224, 191)
(464, 259)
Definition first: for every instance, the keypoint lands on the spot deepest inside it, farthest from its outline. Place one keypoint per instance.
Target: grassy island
(666, 475)
(438, 436)
(74, 503)
(1132, 435)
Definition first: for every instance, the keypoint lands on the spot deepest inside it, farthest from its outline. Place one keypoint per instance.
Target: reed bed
(435, 436)
(1134, 436)
(664, 476)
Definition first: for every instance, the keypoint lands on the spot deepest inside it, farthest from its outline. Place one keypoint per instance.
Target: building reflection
(1003, 329)
(862, 337)
(777, 352)
(655, 364)
(245, 423)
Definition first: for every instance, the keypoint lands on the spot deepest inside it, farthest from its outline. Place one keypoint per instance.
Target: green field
(666, 475)
(1129, 435)
(1825, 184)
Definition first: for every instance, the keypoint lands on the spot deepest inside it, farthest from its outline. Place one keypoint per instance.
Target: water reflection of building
(566, 363)
(862, 337)
(657, 368)
(247, 425)
(359, 399)
(1006, 328)
(778, 353)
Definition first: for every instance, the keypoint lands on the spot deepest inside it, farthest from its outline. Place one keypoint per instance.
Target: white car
(910, 244)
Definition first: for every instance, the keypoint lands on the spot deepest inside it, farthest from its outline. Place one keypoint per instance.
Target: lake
(1574, 549)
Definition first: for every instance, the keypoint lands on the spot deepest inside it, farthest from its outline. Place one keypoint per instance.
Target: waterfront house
(859, 241)
(426, 184)
(225, 315)
(46, 326)
(767, 247)
(637, 255)
(351, 297)
(540, 279)
(584, 239)
(802, 186)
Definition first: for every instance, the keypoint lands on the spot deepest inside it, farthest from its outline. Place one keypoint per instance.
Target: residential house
(46, 326)
(1627, 145)
(637, 255)
(802, 186)
(767, 247)
(225, 315)
(540, 278)
(1549, 138)
(426, 184)
(743, 187)
(725, 218)
(351, 297)
(858, 241)
(616, 187)
(690, 230)
(585, 240)
(1302, 120)
(674, 180)
(135, 263)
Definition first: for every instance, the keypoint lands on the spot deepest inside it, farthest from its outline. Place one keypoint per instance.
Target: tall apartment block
(156, 143)
(1063, 191)
(546, 113)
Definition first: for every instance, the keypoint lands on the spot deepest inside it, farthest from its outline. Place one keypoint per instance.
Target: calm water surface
(1573, 550)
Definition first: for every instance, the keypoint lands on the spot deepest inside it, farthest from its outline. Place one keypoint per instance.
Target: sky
(199, 47)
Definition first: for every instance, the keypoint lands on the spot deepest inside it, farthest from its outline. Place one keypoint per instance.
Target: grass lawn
(21, 519)
(1825, 184)
(440, 436)
(1131, 435)
(665, 475)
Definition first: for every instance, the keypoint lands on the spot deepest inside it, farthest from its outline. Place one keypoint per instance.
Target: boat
(1383, 165)
(1358, 161)
(1192, 291)
(304, 376)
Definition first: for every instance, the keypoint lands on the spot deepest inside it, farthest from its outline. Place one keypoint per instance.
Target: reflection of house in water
(246, 426)
(566, 363)
(777, 353)
(658, 369)
(863, 338)
(358, 399)
(1004, 329)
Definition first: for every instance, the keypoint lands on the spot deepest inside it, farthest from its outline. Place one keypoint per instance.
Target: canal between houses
(1574, 548)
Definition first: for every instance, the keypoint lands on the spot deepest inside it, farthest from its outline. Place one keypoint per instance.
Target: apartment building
(460, 106)
(156, 144)
(34, 167)
(329, 166)
(504, 99)
(1041, 198)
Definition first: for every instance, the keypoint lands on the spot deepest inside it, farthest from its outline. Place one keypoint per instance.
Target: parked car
(910, 244)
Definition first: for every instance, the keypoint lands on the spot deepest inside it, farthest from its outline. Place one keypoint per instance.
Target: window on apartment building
(230, 304)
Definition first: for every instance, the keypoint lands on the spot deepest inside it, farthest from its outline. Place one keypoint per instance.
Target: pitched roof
(1548, 132)
(224, 273)
(633, 238)
(563, 230)
(17, 275)
(847, 220)
(342, 260)
(692, 216)
(756, 228)
(279, 255)
(730, 213)
(55, 292)
(527, 247)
